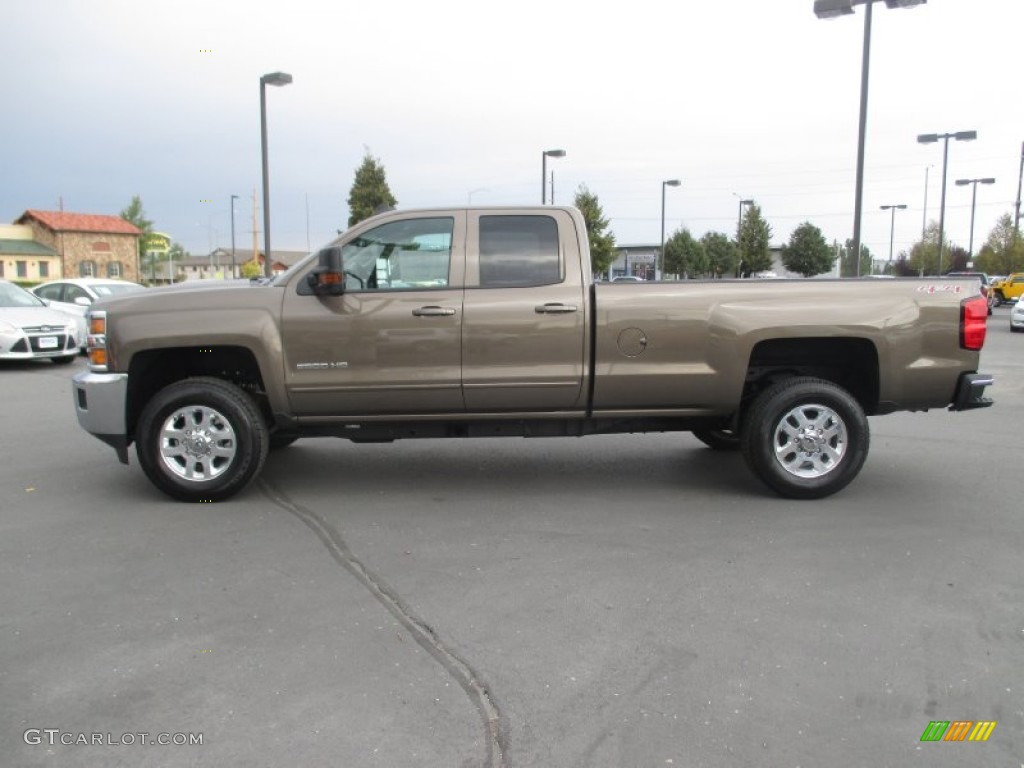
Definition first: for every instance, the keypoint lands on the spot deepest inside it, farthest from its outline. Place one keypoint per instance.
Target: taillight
(973, 315)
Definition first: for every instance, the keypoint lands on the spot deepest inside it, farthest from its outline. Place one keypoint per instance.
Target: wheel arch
(152, 370)
(851, 363)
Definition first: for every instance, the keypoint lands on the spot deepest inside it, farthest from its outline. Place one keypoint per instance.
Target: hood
(30, 317)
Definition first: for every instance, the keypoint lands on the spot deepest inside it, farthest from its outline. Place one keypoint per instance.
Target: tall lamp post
(658, 275)
(892, 227)
(274, 78)
(233, 274)
(974, 199)
(544, 171)
(830, 9)
(931, 138)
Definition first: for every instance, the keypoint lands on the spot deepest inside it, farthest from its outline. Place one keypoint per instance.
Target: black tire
(719, 439)
(829, 422)
(277, 442)
(225, 446)
(1000, 298)
(63, 359)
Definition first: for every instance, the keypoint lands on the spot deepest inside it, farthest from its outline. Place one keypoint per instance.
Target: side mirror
(83, 301)
(328, 278)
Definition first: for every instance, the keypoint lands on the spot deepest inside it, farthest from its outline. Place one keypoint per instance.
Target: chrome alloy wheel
(197, 443)
(810, 441)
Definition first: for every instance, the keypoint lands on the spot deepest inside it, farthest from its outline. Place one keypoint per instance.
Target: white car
(1017, 315)
(30, 330)
(75, 295)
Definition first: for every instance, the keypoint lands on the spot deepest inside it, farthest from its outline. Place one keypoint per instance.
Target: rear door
(525, 313)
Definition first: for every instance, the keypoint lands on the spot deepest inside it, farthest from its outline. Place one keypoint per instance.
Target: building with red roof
(89, 245)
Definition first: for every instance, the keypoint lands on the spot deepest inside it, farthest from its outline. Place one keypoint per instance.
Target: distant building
(87, 245)
(217, 265)
(24, 258)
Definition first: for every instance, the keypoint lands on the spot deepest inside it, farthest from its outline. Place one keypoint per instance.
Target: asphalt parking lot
(610, 601)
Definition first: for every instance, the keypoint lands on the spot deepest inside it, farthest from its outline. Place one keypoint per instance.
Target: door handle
(554, 308)
(433, 311)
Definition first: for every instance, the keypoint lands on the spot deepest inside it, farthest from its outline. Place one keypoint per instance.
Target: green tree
(684, 255)
(134, 214)
(924, 254)
(847, 263)
(602, 242)
(1003, 251)
(370, 191)
(720, 253)
(754, 243)
(251, 269)
(808, 253)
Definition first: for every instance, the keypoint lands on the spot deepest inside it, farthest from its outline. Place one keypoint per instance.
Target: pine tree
(369, 191)
(602, 243)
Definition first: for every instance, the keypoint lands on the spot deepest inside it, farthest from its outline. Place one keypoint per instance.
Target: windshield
(13, 296)
(113, 289)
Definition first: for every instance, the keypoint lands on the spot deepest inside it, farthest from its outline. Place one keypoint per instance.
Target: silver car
(74, 296)
(29, 329)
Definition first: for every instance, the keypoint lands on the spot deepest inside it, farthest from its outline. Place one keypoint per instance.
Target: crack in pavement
(459, 669)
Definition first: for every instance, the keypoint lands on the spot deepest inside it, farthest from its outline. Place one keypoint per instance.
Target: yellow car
(1010, 288)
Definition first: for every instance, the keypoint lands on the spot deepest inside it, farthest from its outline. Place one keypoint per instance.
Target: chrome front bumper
(100, 404)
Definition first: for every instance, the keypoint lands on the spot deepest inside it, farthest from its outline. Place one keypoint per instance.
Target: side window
(51, 292)
(519, 251)
(74, 292)
(411, 254)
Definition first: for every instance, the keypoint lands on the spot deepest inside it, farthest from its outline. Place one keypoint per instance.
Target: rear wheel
(719, 439)
(201, 439)
(805, 438)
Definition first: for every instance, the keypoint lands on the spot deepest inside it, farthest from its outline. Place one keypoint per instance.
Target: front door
(390, 345)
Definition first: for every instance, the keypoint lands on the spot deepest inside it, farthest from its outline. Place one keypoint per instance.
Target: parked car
(1017, 315)
(29, 329)
(1009, 288)
(628, 279)
(75, 295)
(986, 288)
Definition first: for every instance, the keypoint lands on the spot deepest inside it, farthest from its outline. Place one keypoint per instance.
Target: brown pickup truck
(486, 322)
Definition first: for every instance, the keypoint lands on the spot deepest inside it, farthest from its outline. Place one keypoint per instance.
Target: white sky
(750, 98)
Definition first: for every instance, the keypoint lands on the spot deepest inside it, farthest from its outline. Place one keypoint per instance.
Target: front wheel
(201, 439)
(805, 438)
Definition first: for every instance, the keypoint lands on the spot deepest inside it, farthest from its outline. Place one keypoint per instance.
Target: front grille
(46, 330)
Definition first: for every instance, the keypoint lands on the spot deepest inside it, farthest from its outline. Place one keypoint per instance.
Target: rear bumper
(100, 404)
(970, 392)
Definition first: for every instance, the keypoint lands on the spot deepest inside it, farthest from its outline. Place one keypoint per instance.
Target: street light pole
(233, 198)
(661, 253)
(274, 78)
(830, 9)
(892, 227)
(544, 171)
(974, 199)
(1020, 178)
(931, 138)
